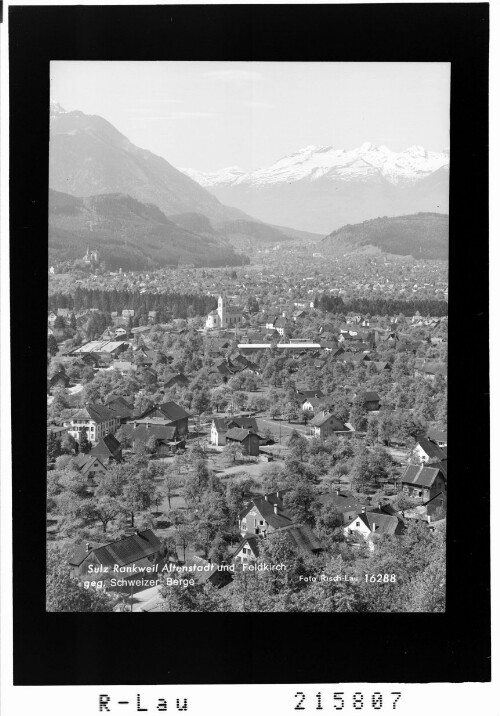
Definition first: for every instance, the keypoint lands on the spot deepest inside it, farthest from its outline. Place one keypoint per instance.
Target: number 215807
(341, 700)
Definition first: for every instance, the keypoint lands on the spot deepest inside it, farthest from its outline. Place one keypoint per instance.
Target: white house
(97, 419)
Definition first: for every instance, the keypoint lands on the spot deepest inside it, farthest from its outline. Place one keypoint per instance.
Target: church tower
(221, 310)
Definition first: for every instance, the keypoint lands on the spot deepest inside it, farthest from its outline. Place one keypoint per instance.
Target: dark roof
(303, 538)
(266, 509)
(175, 378)
(80, 552)
(108, 446)
(220, 425)
(304, 394)
(253, 543)
(370, 396)
(129, 549)
(145, 431)
(170, 410)
(420, 475)
(96, 412)
(243, 422)
(432, 449)
(435, 434)
(384, 524)
(343, 503)
(240, 434)
(85, 462)
(321, 418)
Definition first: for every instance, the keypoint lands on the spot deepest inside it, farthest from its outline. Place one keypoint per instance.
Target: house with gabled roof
(325, 424)
(220, 427)
(264, 514)
(96, 418)
(426, 450)
(440, 437)
(372, 525)
(90, 466)
(140, 550)
(108, 449)
(300, 536)
(423, 482)
(121, 407)
(173, 413)
(248, 440)
(167, 437)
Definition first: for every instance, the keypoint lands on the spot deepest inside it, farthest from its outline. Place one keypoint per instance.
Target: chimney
(88, 547)
(275, 509)
(380, 505)
(266, 498)
(338, 492)
(363, 510)
(278, 494)
(135, 424)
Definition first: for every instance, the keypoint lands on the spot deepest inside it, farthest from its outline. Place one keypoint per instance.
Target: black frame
(294, 648)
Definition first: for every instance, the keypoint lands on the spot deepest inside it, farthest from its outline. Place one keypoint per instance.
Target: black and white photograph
(247, 296)
(247, 336)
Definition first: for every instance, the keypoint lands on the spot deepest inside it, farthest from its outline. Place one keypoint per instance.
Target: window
(243, 524)
(358, 524)
(261, 522)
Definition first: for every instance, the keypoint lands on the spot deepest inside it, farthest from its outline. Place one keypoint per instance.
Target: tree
(231, 453)
(53, 447)
(138, 493)
(64, 593)
(59, 324)
(69, 444)
(103, 510)
(300, 503)
(184, 537)
(85, 444)
(52, 346)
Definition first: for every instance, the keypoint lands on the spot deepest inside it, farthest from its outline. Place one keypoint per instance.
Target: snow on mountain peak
(313, 163)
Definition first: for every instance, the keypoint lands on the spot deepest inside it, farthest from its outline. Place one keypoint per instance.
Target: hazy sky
(209, 115)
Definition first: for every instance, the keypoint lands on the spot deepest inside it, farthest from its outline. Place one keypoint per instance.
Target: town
(277, 430)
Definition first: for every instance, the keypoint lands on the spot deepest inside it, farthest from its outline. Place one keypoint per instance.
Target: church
(225, 316)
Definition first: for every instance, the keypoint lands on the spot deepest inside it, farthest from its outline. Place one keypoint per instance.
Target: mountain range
(136, 202)
(322, 188)
(423, 236)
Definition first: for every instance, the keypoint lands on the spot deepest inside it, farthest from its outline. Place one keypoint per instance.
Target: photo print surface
(247, 336)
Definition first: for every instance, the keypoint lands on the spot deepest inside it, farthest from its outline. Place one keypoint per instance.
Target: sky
(210, 115)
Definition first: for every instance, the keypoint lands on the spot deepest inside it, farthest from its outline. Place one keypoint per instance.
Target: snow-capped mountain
(322, 188)
(312, 163)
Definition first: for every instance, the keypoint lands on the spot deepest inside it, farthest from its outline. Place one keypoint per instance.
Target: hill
(89, 156)
(245, 234)
(423, 236)
(128, 234)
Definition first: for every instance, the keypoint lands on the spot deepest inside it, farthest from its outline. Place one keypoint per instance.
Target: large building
(225, 316)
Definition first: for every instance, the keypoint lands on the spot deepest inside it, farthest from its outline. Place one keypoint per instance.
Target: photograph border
(191, 648)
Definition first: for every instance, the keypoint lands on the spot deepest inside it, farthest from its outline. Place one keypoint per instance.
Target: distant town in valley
(245, 416)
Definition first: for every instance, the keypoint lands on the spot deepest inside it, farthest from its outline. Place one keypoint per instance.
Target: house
(152, 316)
(58, 380)
(220, 427)
(345, 505)
(108, 449)
(430, 371)
(440, 437)
(175, 379)
(324, 424)
(303, 395)
(140, 550)
(264, 514)
(423, 482)
(435, 508)
(96, 418)
(426, 450)
(301, 538)
(101, 348)
(381, 365)
(312, 404)
(90, 466)
(121, 408)
(297, 315)
(166, 436)
(371, 524)
(248, 440)
(128, 313)
(281, 325)
(172, 413)
(370, 399)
